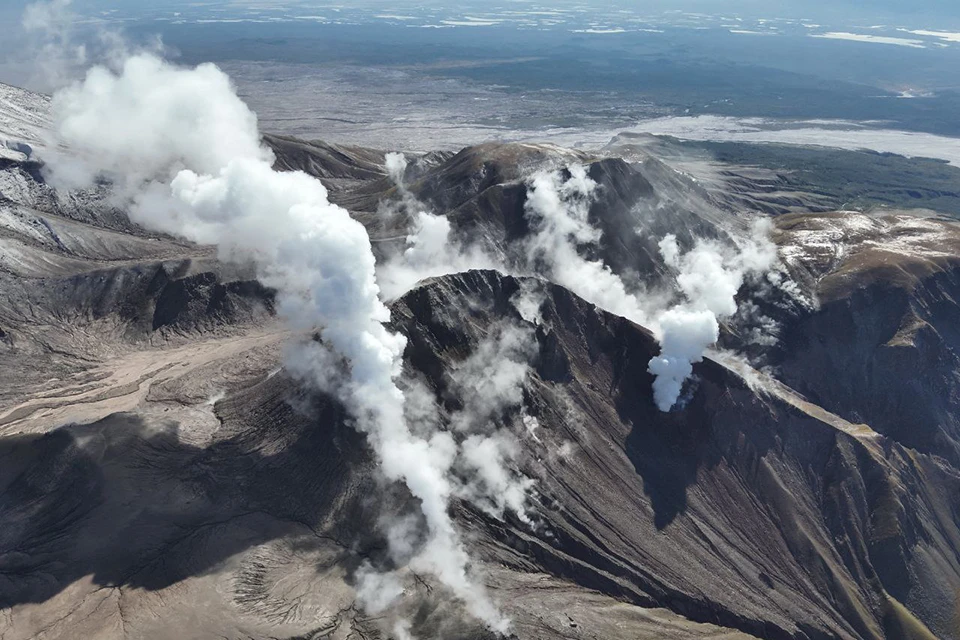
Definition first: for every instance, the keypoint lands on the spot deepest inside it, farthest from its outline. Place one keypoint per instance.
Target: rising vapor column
(185, 150)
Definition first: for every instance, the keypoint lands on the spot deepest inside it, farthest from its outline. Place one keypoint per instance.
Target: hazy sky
(916, 14)
(731, 58)
(851, 9)
(869, 29)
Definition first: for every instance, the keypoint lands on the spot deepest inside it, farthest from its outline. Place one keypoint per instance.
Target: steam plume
(709, 277)
(431, 250)
(491, 382)
(557, 208)
(187, 151)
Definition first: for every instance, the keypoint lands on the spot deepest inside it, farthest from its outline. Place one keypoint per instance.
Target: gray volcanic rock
(23, 187)
(24, 119)
(323, 160)
(162, 476)
(882, 345)
(742, 510)
(62, 325)
(482, 191)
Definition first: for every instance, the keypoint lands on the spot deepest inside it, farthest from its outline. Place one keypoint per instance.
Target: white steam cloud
(558, 208)
(431, 251)
(528, 301)
(709, 277)
(396, 164)
(186, 150)
(491, 382)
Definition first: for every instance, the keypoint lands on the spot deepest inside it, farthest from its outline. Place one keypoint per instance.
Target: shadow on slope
(129, 503)
(737, 509)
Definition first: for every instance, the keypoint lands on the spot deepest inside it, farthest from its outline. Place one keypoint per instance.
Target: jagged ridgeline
(168, 471)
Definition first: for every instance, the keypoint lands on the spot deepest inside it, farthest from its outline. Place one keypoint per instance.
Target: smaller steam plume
(708, 277)
(491, 382)
(431, 250)
(557, 207)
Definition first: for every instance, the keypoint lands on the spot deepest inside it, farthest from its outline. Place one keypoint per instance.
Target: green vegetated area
(855, 179)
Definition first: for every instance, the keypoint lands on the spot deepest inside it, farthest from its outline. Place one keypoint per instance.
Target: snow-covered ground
(24, 116)
(838, 134)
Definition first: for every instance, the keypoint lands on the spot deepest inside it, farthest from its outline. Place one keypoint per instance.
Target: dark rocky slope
(740, 511)
(162, 477)
(882, 345)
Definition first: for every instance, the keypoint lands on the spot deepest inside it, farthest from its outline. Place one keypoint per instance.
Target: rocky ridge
(164, 477)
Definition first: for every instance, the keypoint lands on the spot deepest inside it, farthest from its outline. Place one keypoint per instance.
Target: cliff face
(743, 509)
(882, 347)
(163, 476)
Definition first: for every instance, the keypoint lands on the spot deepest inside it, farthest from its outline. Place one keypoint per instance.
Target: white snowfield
(24, 118)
